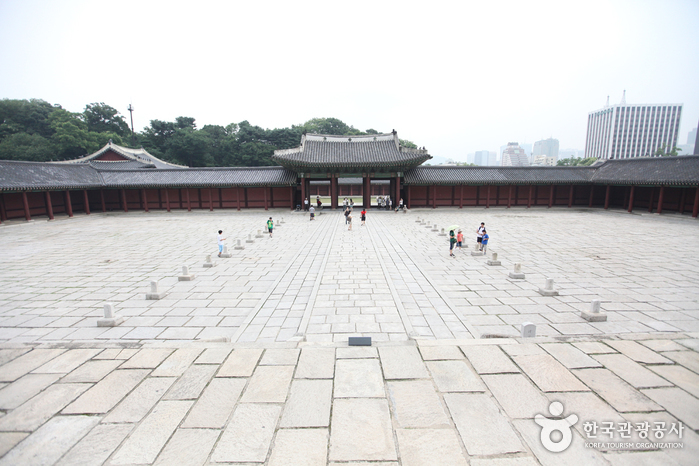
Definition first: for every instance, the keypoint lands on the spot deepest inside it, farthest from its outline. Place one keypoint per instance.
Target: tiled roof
(497, 175)
(50, 176)
(130, 154)
(320, 152)
(677, 171)
(200, 177)
(119, 164)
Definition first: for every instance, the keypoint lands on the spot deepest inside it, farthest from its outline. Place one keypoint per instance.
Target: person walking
(305, 204)
(363, 214)
(390, 204)
(270, 226)
(351, 204)
(347, 213)
(221, 239)
(349, 221)
(318, 202)
(484, 241)
(459, 240)
(479, 235)
(400, 204)
(452, 242)
(312, 210)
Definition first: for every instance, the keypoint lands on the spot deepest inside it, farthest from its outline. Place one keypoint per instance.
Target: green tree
(662, 151)
(331, 126)
(25, 116)
(101, 118)
(408, 144)
(576, 161)
(71, 137)
(25, 146)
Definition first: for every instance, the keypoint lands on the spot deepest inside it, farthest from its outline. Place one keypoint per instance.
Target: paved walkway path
(249, 363)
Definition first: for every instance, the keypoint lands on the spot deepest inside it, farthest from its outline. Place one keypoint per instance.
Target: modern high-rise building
(623, 131)
(514, 156)
(481, 157)
(547, 147)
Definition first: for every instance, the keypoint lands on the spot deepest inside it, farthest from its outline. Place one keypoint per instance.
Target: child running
(270, 226)
(221, 239)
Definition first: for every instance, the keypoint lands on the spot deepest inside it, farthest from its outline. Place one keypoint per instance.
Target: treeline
(35, 130)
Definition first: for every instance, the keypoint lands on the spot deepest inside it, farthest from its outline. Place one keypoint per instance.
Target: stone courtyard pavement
(249, 364)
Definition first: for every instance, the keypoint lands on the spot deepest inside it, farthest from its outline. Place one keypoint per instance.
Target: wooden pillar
(366, 191)
(625, 204)
(304, 194)
(69, 205)
(434, 196)
(652, 198)
(660, 199)
(201, 205)
(529, 200)
(292, 193)
(237, 197)
(160, 199)
(487, 198)
(220, 198)
(265, 188)
(695, 211)
(211, 201)
(461, 196)
(509, 196)
(516, 194)
(570, 196)
(25, 202)
(144, 200)
(86, 201)
(683, 199)
(333, 191)
(606, 198)
(167, 200)
(592, 193)
(407, 203)
(123, 200)
(49, 207)
(179, 197)
(633, 189)
(104, 206)
(551, 191)
(396, 199)
(3, 212)
(189, 204)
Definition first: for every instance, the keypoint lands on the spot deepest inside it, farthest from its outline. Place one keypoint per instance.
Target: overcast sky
(455, 76)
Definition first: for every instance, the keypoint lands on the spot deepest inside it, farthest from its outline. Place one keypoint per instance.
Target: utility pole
(133, 136)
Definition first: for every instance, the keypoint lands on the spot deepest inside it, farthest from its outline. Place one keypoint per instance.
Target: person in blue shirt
(484, 241)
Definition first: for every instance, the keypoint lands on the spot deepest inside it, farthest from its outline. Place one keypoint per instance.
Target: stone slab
(240, 363)
(268, 384)
(214, 355)
(8, 440)
(37, 410)
(144, 444)
(188, 447)
(177, 362)
(454, 376)
(50, 441)
(19, 391)
(688, 359)
(677, 402)
(248, 436)
(483, 428)
(428, 447)
(437, 353)
(215, 405)
(489, 359)
(402, 362)
(309, 404)
(361, 431)
(286, 449)
(415, 404)
(358, 378)
(620, 395)
(280, 357)
(147, 358)
(316, 363)
(104, 395)
(356, 352)
(96, 446)
(26, 363)
(680, 376)
(570, 356)
(192, 382)
(139, 402)
(67, 361)
(638, 352)
(517, 396)
(632, 372)
(548, 374)
(92, 371)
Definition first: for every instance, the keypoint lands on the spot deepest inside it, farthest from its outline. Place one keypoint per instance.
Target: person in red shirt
(363, 216)
(459, 240)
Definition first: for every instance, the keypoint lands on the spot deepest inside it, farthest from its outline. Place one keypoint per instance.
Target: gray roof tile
(497, 175)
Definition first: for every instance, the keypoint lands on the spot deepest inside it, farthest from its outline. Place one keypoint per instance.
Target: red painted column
(104, 207)
(461, 196)
(407, 205)
(201, 205)
(144, 199)
(220, 198)
(304, 194)
(266, 201)
(487, 198)
(211, 202)
(570, 196)
(49, 207)
(245, 198)
(529, 201)
(633, 188)
(509, 196)
(25, 201)
(123, 200)
(333, 191)
(237, 197)
(434, 196)
(606, 199)
(86, 201)
(660, 199)
(551, 196)
(292, 191)
(160, 198)
(695, 211)
(516, 195)
(683, 198)
(592, 191)
(189, 204)
(167, 200)
(69, 204)
(396, 199)
(3, 213)
(652, 199)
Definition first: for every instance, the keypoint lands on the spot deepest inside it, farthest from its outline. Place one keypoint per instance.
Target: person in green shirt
(270, 226)
(452, 242)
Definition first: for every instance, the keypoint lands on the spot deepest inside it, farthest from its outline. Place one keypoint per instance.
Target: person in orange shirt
(459, 240)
